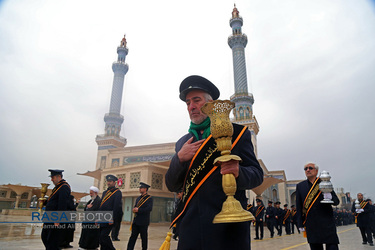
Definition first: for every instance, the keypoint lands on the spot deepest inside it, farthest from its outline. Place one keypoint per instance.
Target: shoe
(174, 237)
(68, 246)
(256, 238)
(364, 243)
(261, 238)
(371, 244)
(116, 239)
(271, 236)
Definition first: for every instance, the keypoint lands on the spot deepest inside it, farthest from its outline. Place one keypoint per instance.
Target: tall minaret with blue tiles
(243, 112)
(113, 120)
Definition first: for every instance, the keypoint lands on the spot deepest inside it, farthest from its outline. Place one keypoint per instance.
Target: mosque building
(149, 163)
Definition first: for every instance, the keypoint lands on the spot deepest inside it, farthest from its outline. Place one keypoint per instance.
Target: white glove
(359, 210)
(327, 196)
(302, 229)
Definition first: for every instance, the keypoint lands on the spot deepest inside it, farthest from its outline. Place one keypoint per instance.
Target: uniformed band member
(90, 232)
(203, 193)
(286, 219)
(270, 218)
(279, 218)
(111, 201)
(141, 210)
(178, 206)
(294, 219)
(363, 219)
(57, 201)
(314, 217)
(259, 215)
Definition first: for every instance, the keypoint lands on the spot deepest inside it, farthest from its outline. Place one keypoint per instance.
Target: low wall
(21, 212)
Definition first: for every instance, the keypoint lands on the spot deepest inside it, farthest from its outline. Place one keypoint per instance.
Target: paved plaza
(27, 236)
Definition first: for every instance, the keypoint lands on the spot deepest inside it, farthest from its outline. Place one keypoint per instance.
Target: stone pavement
(27, 236)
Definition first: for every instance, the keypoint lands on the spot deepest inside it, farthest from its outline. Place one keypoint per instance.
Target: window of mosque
(134, 179)
(115, 162)
(25, 195)
(157, 181)
(103, 160)
(3, 193)
(13, 194)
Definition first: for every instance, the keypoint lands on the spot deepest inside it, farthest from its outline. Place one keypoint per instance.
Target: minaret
(243, 112)
(113, 119)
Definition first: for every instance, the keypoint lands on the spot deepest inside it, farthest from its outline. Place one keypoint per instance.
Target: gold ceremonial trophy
(43, 192)
(222, 131)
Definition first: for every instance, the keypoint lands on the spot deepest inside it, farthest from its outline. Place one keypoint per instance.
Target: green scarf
(197, 128)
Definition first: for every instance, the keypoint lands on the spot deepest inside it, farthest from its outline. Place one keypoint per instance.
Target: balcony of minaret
(120, 66)
(240, 39)
(236, 20)
(243, 97)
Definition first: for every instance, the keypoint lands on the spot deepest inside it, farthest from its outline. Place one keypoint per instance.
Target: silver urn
(357, 205)
(325, 185)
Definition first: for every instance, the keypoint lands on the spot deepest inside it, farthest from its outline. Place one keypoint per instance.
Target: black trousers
(51, 237)
(366, 234)
(136, 230)
(279, 227)
(270, 226)
(259, 226)
(318, 246)
(104, 239)
(287, 227)
(292, 225)
(115, 229)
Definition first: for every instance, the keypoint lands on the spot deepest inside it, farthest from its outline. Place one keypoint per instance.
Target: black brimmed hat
(111, 177)
(144, 185)
(195, 82)
(55, 172)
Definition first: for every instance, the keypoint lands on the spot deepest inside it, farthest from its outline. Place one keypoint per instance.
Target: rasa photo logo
(72, 217)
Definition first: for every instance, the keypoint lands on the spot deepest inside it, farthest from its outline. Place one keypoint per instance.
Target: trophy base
(326, 201)
(225, 158)
(232, 212)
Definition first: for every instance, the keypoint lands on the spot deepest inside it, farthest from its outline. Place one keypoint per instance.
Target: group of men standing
(95, 234)
(274, 217)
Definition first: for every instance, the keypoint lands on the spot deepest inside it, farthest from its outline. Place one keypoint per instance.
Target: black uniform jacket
(271, 212)
(259, 213)
(320, 223)
(59, 198)
(142, 217)
(196, 228)
(113, 203)
(364, 218)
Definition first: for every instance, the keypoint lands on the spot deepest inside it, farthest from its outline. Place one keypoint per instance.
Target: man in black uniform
(314, 217)
(141, 210)
(57, 201)
(270, 218)
(259, 215)
(362, 219)
(286, 219)
(293, 220)
(279, 218)
(111, 201)
(203, 193)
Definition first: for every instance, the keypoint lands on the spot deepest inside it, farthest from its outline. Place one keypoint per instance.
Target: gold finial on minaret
(235, 12)
(123, 42)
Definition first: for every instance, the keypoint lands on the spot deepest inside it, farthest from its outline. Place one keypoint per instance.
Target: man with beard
(58, 201)
(362, 219)
(203, 193)
(111, 201)
(90, 231)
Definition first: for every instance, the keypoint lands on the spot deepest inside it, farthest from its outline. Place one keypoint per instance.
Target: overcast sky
(310, 67)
